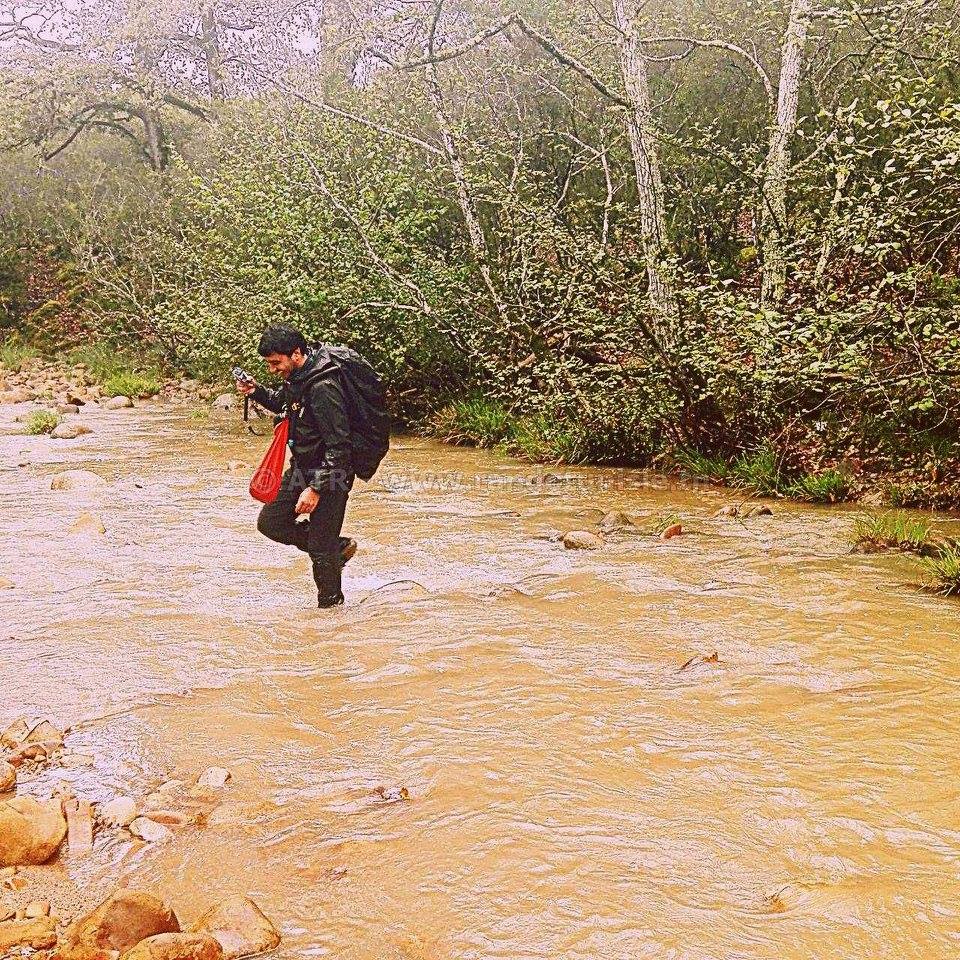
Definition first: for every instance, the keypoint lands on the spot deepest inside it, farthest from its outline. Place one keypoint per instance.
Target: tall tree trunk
(662, 292)
(468, 206)
(774, 217)
(216, 83)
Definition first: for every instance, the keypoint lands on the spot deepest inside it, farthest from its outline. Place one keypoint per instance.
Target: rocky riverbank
(42, 914)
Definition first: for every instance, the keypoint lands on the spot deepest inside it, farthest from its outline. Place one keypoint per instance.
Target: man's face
(280, 363)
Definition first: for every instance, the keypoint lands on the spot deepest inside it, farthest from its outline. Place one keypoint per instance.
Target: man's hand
(246, 387)
(308, 501)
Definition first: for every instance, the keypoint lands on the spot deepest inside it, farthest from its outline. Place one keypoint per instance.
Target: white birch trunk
(662, 292)
(775, 181)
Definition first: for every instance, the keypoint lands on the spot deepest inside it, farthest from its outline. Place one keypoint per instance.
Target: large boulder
(8, 777)
(77, 480)
(118, 812)
(177, 946)
(39, 933)
(124, 919)
(226, 401)
(240, 927)
(118, 403)
(31, 830)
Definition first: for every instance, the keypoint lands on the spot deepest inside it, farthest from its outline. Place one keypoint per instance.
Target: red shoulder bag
(265, 483)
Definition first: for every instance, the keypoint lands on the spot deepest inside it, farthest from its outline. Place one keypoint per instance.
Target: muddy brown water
(572, 795)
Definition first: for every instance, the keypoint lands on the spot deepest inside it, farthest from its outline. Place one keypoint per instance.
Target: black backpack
(366, 400)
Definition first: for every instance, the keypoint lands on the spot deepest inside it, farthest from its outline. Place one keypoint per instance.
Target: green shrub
(830, 486)
(41, 421)
(942, 571)
(891, 531)
(130, 384)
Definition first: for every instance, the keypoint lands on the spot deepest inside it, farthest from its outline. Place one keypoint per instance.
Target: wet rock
(118, 812)
(44, 733)
(118, 403)
(8, 777)
(392, 794)
(67, 408)
(731, 510)
(761, 511)
(77, 480)
(15, 734)
(177, 946)
(615, 520)
(214, 777)
(79, 825)
(6, 584)
(37, 908)
(674, 530)
(31, 830)
(582, 540)
(69, 431)
(226, 401)
(149, 830)
(124, 919)
(240, 927)
(88, 523)
(39, 933)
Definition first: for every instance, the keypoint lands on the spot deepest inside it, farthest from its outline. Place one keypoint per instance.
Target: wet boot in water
(326, 575)
(348, 547)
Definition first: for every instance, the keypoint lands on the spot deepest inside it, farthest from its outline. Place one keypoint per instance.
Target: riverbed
(572, 793)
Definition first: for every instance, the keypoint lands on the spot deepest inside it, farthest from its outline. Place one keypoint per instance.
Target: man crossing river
(309, 509)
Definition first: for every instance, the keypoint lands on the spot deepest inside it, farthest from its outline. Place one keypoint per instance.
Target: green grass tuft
(831, 486)
(128, 383)
(14, 353)
(697, 466)
(476, 422)
(758, 471)
(943, 571)
(656, 523)
(892, 531)
(41, 421)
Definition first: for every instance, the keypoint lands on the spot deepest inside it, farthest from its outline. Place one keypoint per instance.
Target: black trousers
(320, 536)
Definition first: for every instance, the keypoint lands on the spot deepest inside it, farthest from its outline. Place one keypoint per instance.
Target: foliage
(41, 421)
(131, 384)
(891, 531)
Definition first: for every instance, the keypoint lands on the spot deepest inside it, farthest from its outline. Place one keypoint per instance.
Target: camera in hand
(241, 375)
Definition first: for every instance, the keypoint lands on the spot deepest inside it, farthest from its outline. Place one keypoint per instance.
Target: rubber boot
(348, 548)
(326, 575)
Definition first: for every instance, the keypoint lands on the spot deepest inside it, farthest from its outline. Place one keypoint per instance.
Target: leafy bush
(41, 421)
(891, 531)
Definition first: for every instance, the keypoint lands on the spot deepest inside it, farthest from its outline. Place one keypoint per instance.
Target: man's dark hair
(281, 339)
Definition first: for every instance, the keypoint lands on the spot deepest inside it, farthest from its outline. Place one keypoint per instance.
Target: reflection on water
(572, 792)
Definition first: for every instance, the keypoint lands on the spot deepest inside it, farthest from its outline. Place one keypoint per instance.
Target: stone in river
(176, 946)
(149, 830)
(214, 777)
(8, 777)
(582, 540)
(118, 812)
(118, 403)
(39, 933)
(240, 927)
(89, 524)
(69, 431)
(31, 830)
(124, 919)
(77, 480)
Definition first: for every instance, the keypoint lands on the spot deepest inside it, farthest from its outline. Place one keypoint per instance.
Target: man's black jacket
(319, 425)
